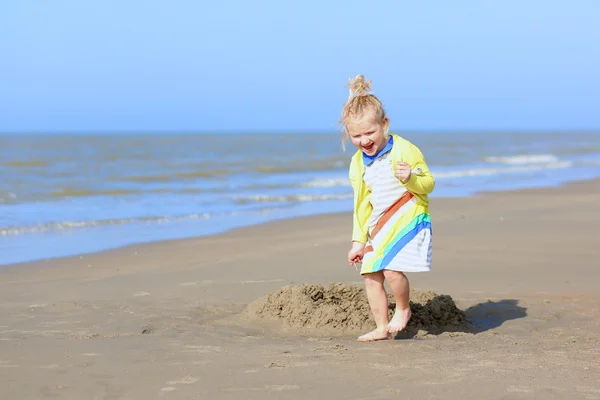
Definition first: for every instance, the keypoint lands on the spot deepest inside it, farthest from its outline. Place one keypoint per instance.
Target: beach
(166, 319)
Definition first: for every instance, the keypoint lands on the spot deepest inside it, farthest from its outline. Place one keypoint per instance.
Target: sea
(64, 195)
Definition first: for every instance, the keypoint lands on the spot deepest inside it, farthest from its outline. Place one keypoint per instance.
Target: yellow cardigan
(421, 184)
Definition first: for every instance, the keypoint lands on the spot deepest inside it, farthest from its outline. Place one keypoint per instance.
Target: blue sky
(260, 65)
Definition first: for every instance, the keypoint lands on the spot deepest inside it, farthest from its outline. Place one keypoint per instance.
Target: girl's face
(367, 134)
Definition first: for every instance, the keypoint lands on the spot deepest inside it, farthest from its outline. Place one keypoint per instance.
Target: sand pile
(345, 308)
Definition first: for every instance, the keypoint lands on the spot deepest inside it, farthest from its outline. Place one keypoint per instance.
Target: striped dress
(397, 223)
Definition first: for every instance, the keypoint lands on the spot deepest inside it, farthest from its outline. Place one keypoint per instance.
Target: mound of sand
(345, 308)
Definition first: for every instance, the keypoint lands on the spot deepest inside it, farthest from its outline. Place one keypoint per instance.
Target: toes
(365, 338)
(395, 327)
(374, 336)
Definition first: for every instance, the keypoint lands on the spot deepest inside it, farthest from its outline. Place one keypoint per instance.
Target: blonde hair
(361, 100)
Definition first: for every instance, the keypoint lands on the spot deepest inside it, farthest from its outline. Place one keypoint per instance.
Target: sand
(252, 313)
(343, 309)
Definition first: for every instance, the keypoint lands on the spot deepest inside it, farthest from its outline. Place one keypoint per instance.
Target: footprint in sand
(276, 364)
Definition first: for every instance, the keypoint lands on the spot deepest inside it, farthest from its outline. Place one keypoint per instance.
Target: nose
(365, 142)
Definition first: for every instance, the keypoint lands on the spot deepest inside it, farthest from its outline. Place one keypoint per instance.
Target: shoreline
(578, 184)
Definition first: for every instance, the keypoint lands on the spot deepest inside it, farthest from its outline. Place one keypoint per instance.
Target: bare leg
(401, 288)
(379, 307)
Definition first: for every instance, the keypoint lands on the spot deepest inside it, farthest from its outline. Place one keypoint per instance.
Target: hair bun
(359, 86)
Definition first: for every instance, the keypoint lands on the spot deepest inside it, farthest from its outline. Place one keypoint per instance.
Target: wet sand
(168, 319)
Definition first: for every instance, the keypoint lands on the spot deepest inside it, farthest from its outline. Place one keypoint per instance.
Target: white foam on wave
(514, 165)
(291, 198)
(71, 225)
(66, 226)
(523, 159)
(332, 182)
(503, 170)
(7, 197)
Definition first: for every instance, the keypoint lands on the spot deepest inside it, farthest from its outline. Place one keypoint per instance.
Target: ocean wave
(304, 166)
(518, 165)
(25, 164)
(7, 197)
(70, 225)
(175, 177)
(455, 173)
(503, 170)
(334, 180)
(328, 182)
(64, 226)
(291, 167)
(90, 193)
(523, 159)
(290, 198)
(62, 193)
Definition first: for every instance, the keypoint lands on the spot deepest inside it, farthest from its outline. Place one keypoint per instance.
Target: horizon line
(288, 131)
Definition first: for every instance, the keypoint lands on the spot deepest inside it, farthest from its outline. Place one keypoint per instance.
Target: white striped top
(384, 186)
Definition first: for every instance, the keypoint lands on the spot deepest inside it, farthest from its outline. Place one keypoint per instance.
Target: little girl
(392, 227)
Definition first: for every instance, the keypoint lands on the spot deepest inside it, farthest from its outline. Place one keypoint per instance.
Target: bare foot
(377, 334)
(400, 320)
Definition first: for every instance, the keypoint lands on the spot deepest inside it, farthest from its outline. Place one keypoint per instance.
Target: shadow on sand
(479, 318)
(491, 314)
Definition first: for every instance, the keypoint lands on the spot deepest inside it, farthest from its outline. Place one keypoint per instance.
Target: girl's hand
(355, 254)
(402, 171)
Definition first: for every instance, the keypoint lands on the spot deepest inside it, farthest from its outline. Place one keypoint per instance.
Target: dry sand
(343, 309)
(186, 319)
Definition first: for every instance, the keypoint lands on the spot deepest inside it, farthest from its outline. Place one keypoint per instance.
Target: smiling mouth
(369, 147)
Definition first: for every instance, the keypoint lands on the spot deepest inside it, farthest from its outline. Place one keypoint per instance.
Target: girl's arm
(421, 181)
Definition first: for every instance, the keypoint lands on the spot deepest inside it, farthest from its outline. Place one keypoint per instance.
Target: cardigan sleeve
(421, 181)
(362, 205)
